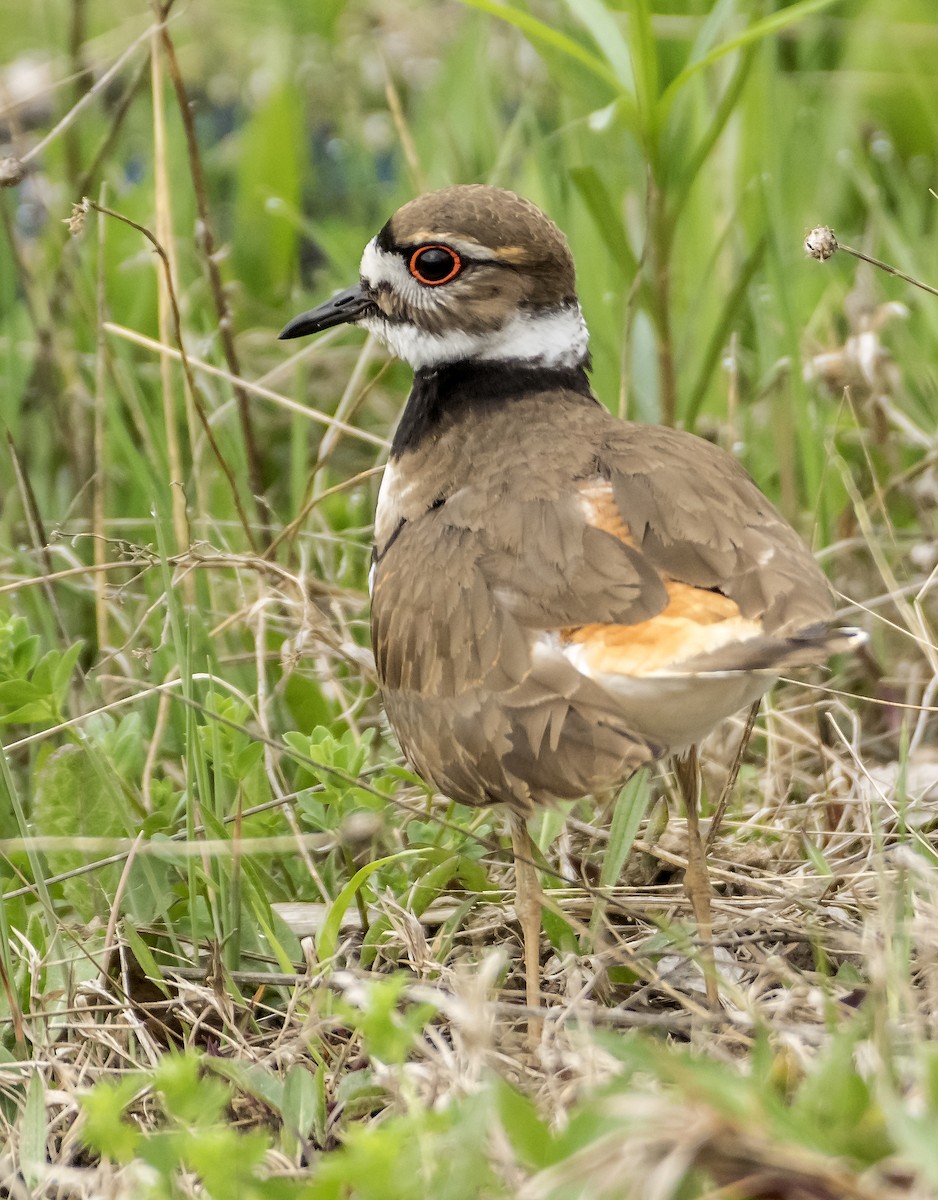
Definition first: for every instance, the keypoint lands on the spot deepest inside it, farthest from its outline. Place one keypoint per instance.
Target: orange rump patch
(694, 622)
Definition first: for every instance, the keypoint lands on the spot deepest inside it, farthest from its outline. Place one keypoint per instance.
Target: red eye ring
(428, 272)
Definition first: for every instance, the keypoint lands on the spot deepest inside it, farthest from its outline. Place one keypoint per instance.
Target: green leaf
(144, 956)
(306, 702)
(608, 221)
(16, 692)
(529, 1136)
(189, 1094)
(253, 1078)
(630, 808)
(774, 23)
(34, 1131)
(248, 759)
(816, 858)
(329, 934)
(297, 742)
(268, 193)
(389, 1024)
(431, 883)
(70, 800)
(104, 1128)
(39, 712)
(25, 654)
(721, 114)
(165, 1151)
(126, 746)
(302, 1100)
(645, 65)
(728, 317)
(915, 1137)
(227, 1159)
(603, 28)
(43, 676)
(539, 31)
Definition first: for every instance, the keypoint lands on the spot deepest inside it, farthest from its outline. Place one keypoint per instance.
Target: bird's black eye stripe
(385, 239)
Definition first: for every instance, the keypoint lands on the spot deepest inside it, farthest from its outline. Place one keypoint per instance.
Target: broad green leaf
(630, 808)
(608, 220)
(540, 31)
(25, 655)
(596, 17)
(792, 14)
(71, 801)
(302, 1093)
(190, 1094)
(527, 1133)
(270, 177)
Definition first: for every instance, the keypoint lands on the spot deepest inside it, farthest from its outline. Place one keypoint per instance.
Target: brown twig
(121, 109)
(14, 169)
(720, 811)
(257, 389)
(100, 477)
(81, 81)
(75, 223)
(209, 253)
(290, 530)
(36, 529)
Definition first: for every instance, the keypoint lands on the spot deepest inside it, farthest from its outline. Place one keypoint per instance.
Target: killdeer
(558, 597)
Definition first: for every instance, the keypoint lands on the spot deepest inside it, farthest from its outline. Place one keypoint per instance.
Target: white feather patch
(671, 710)
(552, 339)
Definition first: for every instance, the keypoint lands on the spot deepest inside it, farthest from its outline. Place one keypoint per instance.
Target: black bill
(344, 308)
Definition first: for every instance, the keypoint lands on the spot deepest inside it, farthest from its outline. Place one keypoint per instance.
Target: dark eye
(434, 264)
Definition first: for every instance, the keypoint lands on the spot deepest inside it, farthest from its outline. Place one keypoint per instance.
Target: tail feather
(811, 646)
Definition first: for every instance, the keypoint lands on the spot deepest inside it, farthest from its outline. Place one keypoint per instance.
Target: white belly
(678, 711)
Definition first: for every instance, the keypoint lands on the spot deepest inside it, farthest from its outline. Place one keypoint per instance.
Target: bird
(559, 598)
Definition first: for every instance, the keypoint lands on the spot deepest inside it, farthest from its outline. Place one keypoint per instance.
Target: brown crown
(513, 228)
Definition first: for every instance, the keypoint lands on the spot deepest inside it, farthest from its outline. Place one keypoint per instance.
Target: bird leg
(696, 877)
(528, 900)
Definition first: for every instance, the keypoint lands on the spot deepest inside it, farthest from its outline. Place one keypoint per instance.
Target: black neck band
(447, 393)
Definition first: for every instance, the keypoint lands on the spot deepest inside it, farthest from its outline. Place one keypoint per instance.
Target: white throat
(557, 338)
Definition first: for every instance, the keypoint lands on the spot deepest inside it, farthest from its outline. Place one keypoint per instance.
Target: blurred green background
(166, 533)
(183, 556)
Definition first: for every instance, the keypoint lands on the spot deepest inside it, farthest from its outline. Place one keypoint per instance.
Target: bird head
(467, 273)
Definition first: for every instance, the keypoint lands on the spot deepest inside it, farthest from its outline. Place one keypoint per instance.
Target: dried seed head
(76, 222)
(12, 171)
(821, 243)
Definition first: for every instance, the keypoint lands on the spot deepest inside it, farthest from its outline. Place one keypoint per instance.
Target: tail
(773, 653)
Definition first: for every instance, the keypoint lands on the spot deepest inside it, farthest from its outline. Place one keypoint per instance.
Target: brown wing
(541, 568)
(743, 590)
(700, 520)
(481, 708)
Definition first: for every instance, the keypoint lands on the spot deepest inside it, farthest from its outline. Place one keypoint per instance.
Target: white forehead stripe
(378, 267)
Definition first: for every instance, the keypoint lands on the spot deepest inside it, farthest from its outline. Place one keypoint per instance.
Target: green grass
(241, 946)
